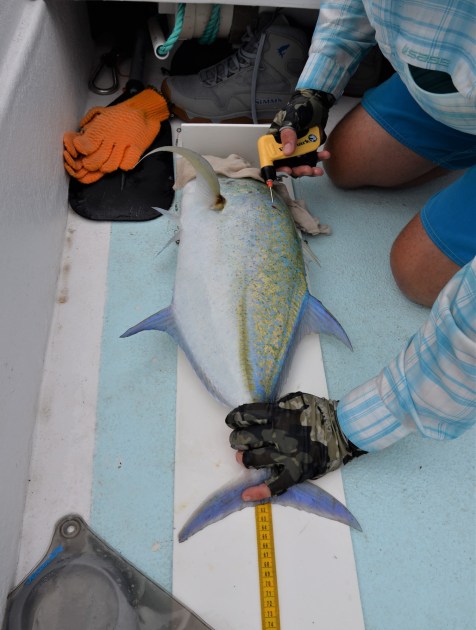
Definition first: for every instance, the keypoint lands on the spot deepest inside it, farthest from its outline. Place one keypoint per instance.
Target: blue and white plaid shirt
(430, 387)
(434, 35)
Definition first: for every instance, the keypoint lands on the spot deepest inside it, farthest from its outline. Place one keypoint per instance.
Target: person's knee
(339, 166)
(349, 144)
(419, 268)
(363, 153)
(405, 274)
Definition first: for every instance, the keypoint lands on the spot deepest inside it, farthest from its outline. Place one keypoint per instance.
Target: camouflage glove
(306, 108)
(298, 438)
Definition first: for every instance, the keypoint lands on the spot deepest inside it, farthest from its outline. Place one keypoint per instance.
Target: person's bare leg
(364, 154)
(420, 269)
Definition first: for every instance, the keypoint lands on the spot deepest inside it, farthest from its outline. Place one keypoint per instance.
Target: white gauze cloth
(238, 167)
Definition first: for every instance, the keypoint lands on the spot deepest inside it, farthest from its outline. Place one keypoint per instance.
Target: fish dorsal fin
(172, 239)
(317, 319)
(170, 215)
(173, 217)
(208, 185)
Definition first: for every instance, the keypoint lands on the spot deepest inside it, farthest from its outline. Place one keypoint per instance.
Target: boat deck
(106, 436)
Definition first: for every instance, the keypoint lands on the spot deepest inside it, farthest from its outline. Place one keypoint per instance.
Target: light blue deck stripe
(415, 501)
(415, 558)
(134, 458)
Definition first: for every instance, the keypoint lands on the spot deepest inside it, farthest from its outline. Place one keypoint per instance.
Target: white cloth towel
(236, 166)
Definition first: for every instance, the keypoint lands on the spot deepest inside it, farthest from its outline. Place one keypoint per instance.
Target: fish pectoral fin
(208, 185)
(317, 319)
(313, 499)
(162, 320)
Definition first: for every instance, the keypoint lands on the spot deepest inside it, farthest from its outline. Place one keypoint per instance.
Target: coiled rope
(208, 35)
(211, 30)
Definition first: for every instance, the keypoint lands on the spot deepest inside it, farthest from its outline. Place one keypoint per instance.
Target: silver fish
(241, 302)
(240, 307)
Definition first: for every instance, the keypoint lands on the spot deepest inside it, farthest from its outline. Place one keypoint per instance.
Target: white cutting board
(215, 572)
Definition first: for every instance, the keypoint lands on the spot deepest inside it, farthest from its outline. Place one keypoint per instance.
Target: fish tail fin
(227, 499)
(162, 320)
(313, 499)
(216, 506)
(318, 319)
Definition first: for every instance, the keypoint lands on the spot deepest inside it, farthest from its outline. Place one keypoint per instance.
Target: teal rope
(208, 36)
(164, 50)
(211, 29)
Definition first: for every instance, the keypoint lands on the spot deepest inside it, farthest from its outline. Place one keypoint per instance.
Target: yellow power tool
(271, 156)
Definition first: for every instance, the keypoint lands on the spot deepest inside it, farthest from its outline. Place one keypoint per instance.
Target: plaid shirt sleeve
(437, 35)
(342, 37)
(430, 387)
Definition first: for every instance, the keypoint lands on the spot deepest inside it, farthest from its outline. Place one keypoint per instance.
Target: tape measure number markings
(267, 567)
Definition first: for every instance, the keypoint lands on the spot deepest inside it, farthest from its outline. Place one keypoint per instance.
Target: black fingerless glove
(306, 108)
(298, 438)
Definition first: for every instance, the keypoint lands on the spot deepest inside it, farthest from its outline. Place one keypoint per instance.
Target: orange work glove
(74, 165)
(115, 137)
(76, 170)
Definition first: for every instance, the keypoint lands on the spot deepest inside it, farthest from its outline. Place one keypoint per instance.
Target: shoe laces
(242, 58)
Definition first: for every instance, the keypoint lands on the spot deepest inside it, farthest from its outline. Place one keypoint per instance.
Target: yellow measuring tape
(268, 581)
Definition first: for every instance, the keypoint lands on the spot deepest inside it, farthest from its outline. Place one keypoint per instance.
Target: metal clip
(108, 60)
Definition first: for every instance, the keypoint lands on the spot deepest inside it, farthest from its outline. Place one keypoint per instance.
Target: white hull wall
(45, 56)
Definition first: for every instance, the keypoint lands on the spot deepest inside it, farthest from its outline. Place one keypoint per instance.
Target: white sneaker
(224, 92)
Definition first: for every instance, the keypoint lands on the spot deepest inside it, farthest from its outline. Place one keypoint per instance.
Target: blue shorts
(449, 217)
